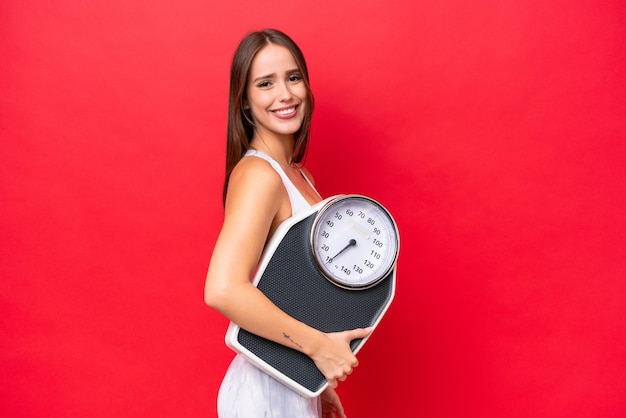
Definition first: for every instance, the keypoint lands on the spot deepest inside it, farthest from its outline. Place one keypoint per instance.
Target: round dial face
(355, 241)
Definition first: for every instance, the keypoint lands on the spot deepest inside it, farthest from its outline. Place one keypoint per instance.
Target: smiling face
(276, 93)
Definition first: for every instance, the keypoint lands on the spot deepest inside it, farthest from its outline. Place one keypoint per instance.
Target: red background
(494, 131)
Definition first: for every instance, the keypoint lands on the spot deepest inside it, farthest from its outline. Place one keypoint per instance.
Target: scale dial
(355, 241)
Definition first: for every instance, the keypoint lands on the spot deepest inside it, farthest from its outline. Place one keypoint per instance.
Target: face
(276, 93)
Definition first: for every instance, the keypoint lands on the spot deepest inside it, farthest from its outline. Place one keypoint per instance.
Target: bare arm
(253, 209)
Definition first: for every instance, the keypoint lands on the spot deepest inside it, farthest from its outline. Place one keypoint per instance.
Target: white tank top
(298, 202)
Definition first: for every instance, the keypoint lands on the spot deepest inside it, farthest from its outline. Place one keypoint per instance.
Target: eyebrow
(272, 75)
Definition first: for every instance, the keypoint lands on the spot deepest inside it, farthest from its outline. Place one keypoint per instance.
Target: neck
(279, 150)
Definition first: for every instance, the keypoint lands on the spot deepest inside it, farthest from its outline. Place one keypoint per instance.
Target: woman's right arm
(253, 202)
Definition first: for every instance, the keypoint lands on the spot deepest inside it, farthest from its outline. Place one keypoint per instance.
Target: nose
(284, 93)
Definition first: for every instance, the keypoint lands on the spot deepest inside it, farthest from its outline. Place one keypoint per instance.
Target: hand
(334, 358)
(331, 405)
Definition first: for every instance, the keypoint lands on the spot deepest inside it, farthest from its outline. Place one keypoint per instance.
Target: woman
(269, 116)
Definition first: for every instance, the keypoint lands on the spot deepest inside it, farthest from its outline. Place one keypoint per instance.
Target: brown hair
(240, 130)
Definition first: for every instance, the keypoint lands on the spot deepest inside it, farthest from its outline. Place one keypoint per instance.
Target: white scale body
(332, 267)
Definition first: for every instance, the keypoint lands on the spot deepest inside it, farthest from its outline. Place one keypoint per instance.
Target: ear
(245, 105)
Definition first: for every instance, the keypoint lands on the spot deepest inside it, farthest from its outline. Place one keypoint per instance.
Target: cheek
(301, 92)
(258, 100)
(302, 95)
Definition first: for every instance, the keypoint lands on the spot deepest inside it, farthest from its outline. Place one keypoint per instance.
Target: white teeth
(285, 111)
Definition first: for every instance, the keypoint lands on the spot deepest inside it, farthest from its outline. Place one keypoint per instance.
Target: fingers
(359, 333)
(334, 380)
(342, 374)
(338, 362)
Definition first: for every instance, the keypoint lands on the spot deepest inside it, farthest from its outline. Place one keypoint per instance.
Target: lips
(285, 113)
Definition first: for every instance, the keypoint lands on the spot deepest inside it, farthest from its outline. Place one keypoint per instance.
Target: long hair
(240, 130)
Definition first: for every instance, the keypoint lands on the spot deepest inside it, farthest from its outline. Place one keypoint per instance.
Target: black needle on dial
(350, 244)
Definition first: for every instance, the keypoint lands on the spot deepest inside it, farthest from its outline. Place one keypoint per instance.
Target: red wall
(494, 131)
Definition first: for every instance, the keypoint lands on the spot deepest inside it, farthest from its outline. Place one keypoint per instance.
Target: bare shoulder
(253, 181)
(255, 171)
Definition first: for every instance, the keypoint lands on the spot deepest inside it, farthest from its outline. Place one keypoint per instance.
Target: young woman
(269, 115)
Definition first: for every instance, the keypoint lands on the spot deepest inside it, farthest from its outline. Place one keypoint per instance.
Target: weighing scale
(332, 267)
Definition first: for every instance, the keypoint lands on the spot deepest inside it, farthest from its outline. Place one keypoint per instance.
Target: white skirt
(248, 392)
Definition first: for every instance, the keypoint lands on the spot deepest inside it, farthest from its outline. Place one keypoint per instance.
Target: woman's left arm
(331, 405)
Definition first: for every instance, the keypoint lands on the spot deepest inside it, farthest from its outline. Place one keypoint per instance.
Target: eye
(294, 78)
(264, 84)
